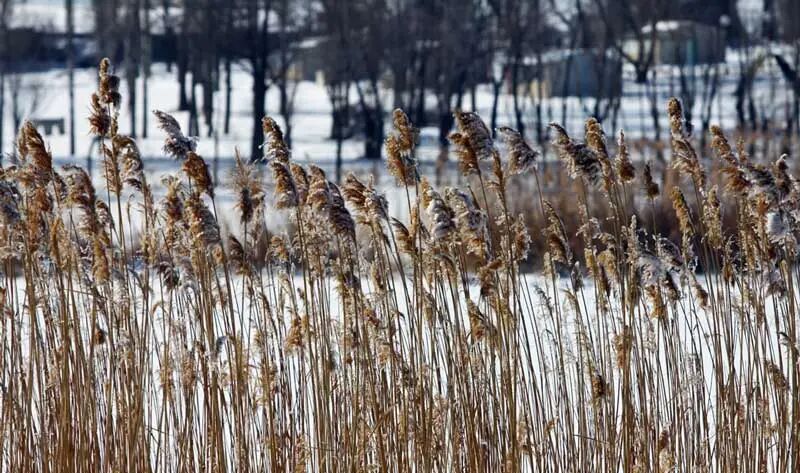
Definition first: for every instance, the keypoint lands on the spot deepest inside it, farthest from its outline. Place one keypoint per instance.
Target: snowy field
(44, 95)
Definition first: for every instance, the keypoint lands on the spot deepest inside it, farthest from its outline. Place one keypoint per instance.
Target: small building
(585, 73)
(321, 60)
(309, 61)
(680, 43)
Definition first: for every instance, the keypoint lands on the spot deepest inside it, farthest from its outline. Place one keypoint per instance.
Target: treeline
(425, 56)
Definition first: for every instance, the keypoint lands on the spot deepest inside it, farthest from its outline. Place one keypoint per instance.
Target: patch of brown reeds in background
(658, 331)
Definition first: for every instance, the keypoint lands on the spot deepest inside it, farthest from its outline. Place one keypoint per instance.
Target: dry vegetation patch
(136, 335)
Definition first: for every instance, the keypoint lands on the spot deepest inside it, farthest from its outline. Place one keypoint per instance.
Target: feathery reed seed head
(521, 157)
(176, 144)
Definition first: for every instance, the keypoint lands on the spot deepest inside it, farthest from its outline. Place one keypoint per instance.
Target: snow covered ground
(44, 95)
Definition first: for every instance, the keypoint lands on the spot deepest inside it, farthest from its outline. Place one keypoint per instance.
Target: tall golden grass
(138, 336)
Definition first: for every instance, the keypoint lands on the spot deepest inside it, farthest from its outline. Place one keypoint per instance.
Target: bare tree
(637, 19)
(603, 52)
(370, 16)
(521, 22)
(226, 19)
(571, 23)
(133, 55)
(207, 67)
(339, 96)
(400, 48)
(338, 71)
(5, 14)
(169, 33)
(459, 34)
(107, 27)
(697, 80)
(628, 18)
(183, 54)
(711, 80)
(358, 28)
(293, 24)
(70, 11)
(750, 63)
(146, 59)
(424, 46)
(256, 49)
(495, 50)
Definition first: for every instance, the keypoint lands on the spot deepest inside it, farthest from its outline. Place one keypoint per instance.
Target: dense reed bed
(138, 336)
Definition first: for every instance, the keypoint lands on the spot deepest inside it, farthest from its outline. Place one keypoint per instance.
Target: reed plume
(275, 147)
(521, 157)
(684, 157)
(176, 145)
(581, 160)
(399, 147)
(197, 171)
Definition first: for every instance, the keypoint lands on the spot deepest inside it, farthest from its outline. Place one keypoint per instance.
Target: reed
(139, 335)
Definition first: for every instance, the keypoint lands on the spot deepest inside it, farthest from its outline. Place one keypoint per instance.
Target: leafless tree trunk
(194, 126)
(281, 78)
(70, 11)
(497, 86)
(519, 21)
(419, 103)
(169, 33)
(339, 95)
(460, 29)
(259, 49)
(227, 49)
(372, 113)
(5, 13)
(147, 56)
(182, 60)
(133, 53)
(710, 88)
(652, 93)
(259, 110)
(338, 73)
(208, 60)
(228, 96)
(745, 104)
(107, 25)
(515, 85)
(498, 71)
(572, 25)
(619, 16)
